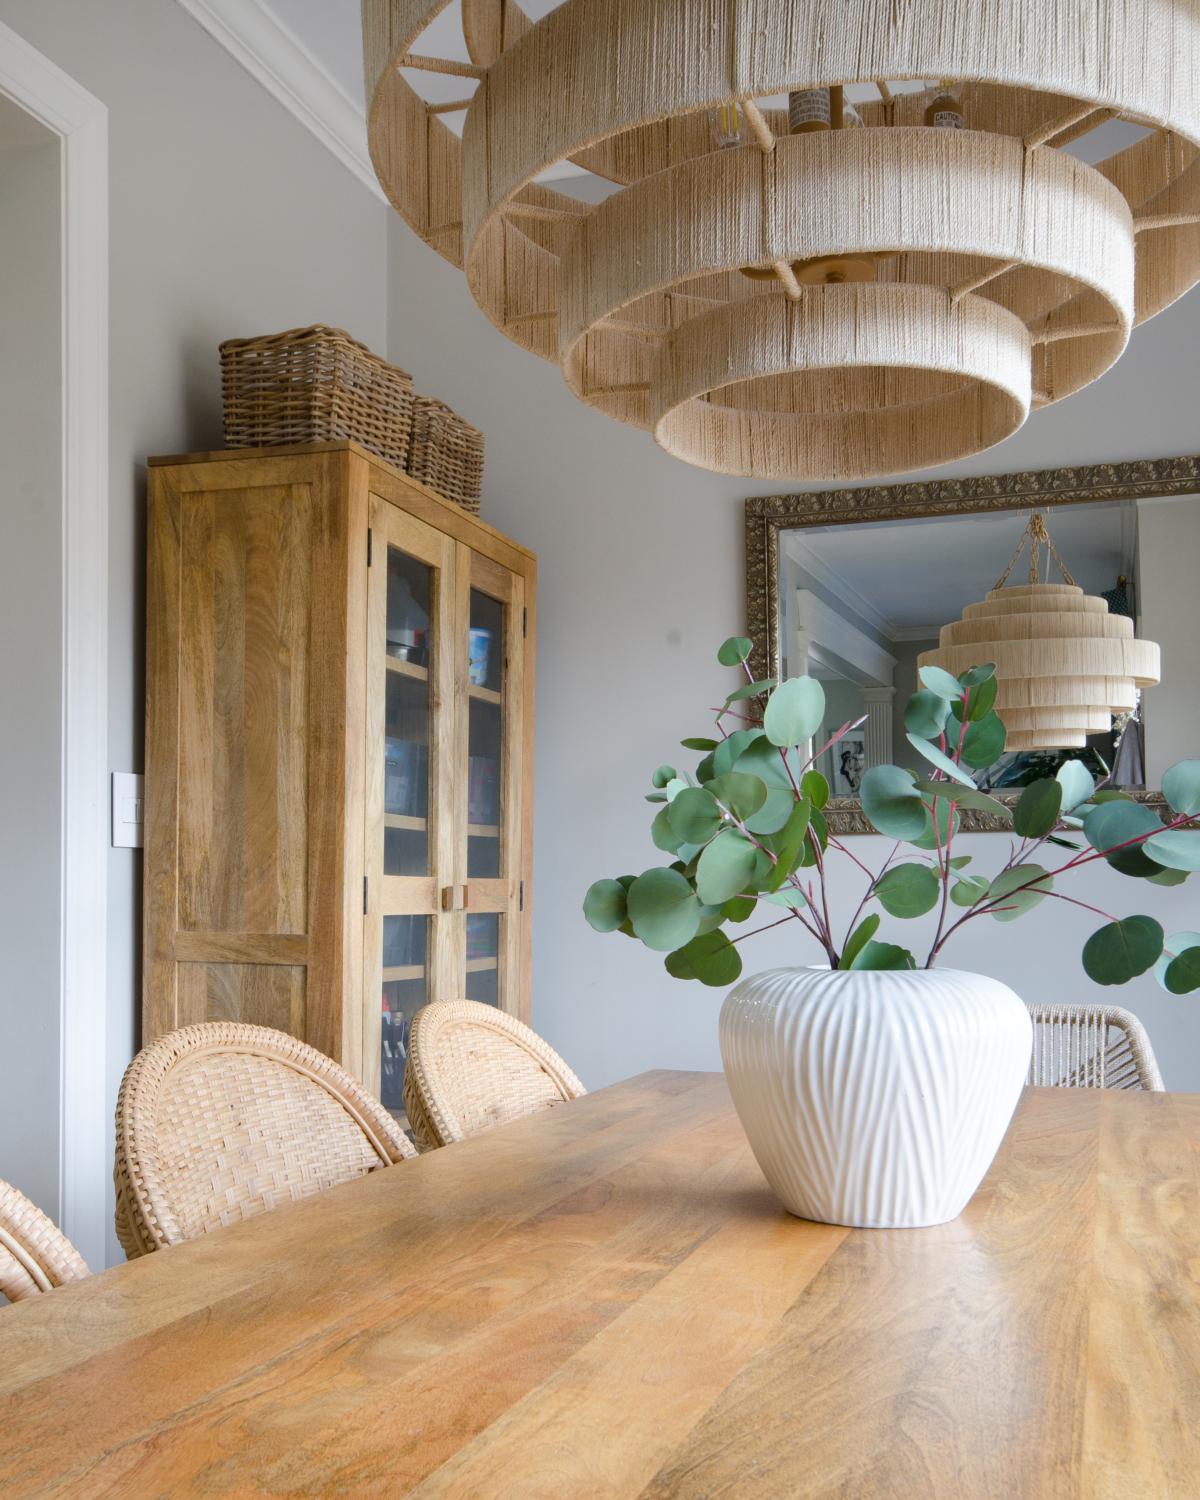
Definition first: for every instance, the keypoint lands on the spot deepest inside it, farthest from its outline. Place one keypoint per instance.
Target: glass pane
(483, 957)
(406, 746)
(404, 947)
(485, 737)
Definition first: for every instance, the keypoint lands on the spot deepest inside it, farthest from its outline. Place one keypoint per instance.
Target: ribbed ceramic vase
(874, 1098)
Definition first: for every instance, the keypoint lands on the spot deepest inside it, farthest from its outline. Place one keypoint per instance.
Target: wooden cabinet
(339, 748)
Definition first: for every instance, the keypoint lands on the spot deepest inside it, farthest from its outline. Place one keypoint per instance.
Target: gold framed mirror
(854, 585)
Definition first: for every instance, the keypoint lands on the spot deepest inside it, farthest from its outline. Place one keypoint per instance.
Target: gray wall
(227, 218)
(641, 577)
(1169, 543)
(30, 655)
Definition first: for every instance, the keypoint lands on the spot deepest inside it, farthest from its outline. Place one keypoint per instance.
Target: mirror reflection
(861, 604)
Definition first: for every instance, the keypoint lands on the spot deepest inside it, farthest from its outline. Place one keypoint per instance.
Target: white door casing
(81, 123)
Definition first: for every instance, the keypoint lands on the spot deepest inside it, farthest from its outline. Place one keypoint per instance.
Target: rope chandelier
(1064, 663)
(820, 293)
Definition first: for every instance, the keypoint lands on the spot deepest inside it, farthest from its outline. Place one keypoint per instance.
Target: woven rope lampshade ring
(960, 191)
(1064, 664)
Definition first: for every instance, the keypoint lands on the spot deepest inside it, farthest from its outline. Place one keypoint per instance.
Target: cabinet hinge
(521, 898)
(524, 622)
(366, 909)
(368, 546)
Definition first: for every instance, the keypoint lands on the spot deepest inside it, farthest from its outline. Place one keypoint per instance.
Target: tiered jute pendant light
(792, 299)
(1064, 665)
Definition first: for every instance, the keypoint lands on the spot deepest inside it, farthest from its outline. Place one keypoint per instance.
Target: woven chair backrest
(1091, 1047)
(471, 1067)
(219, 1122)
(35, 1256)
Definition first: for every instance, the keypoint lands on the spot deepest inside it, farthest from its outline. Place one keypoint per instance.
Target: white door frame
(81, 123)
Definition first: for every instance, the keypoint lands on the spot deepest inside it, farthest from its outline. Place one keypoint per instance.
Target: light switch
(127, 820)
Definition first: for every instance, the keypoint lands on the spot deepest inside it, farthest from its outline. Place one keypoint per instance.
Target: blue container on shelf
(480, 646)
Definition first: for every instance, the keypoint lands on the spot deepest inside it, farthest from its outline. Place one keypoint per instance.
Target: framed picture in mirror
(862, 587)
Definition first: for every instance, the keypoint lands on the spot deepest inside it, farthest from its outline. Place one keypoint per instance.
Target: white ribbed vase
(874, 1098)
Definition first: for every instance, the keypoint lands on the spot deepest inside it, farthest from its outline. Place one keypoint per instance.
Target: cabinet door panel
(409, 732)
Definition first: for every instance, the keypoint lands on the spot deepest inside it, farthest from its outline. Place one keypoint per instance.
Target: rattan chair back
(471, 1067)
(35, 1256)
(219, 1122)
(1091, 1047)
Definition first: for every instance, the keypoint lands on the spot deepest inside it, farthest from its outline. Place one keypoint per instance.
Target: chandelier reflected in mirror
(827, 291)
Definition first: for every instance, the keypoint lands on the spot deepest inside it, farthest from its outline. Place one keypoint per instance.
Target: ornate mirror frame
(769, 515)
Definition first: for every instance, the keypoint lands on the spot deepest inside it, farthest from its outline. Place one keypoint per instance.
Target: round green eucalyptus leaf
(739, 908)
(975, 676)
(726, 867)
(711, 958)
(736, 649)
(1176, 848)
(1175, 947)
(1181, 787)
(940, 682)
(926, 714)
(946, 811)
(694, 815)
(604, 905)
(969, 891)
(874, 955)
(704, 771)
(794, 711)
(699, 744)
(1135, 862)
(663, 775)
(982, 699)
(908, 890)
(892, 804)
(677, 966)
(1020, 890)
(1037, 811)
(740, 794)
(774, 813)
(1117, 822)
(1168, 877)
(983, 744)
(766, 761)
(725, 756)
(859, 939)
(1183, 974)
(625, 881)
(663, 909)
(664, 836)
(1119, 951)
(1076, 782)
(814, 786)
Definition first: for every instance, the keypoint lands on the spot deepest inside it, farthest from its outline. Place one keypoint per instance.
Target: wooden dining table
(606, 1300)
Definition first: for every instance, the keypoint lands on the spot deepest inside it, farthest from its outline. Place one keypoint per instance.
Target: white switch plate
(127, 820)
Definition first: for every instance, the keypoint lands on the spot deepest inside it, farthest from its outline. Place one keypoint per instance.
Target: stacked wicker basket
(318, 385)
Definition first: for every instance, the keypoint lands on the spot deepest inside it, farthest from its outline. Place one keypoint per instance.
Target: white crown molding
(80, 121)
(275, 57)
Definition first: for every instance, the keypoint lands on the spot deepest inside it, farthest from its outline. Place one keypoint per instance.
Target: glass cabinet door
(409, 740)
(443, 807)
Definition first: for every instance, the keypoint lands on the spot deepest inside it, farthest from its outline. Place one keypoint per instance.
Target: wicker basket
(446, 453)
(314, 385)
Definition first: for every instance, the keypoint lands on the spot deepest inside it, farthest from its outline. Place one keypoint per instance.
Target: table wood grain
(607, 1301)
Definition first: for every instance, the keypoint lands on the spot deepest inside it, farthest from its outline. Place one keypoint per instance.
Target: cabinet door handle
(455, 897)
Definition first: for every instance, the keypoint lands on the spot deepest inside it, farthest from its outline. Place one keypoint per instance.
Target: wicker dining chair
(35, 1256)
(1091, 1047)
(471, 1067)
(219, 1122)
